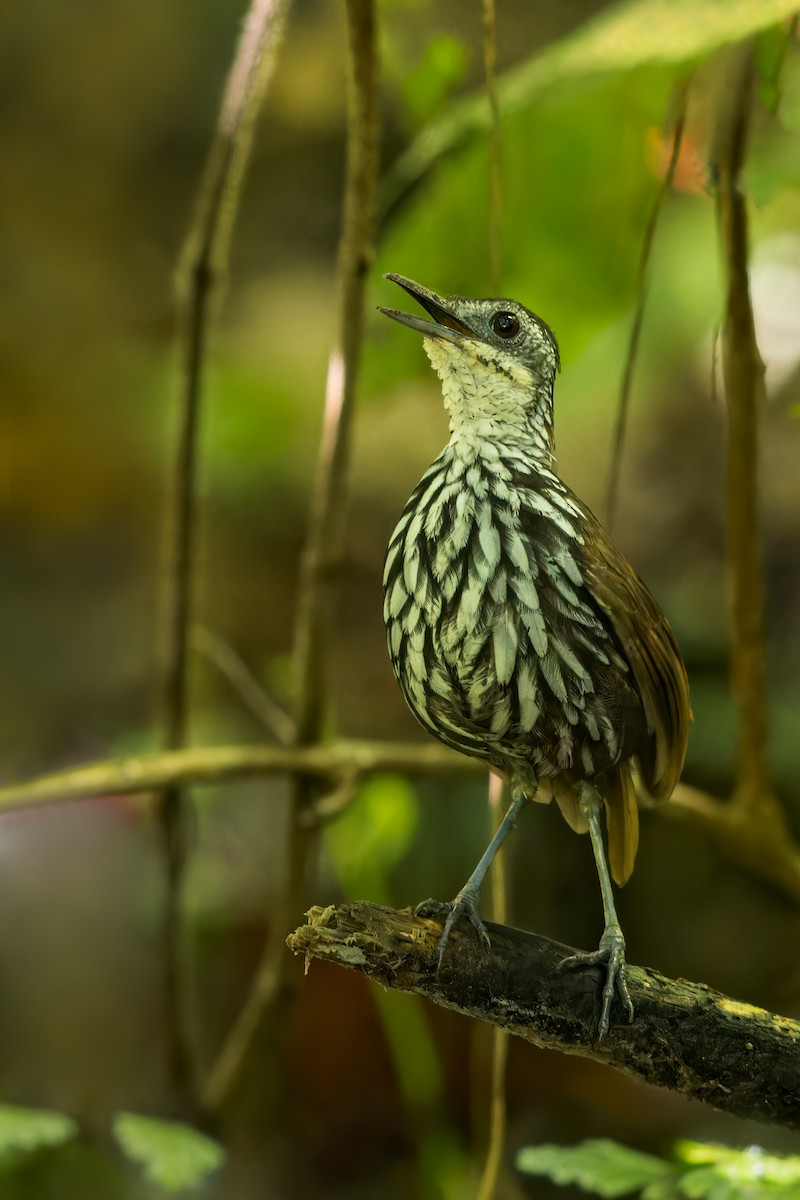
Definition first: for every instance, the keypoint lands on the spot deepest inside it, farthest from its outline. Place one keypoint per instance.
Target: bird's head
(497, 362)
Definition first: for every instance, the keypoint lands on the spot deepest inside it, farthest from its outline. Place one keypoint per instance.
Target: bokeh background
(107, 114)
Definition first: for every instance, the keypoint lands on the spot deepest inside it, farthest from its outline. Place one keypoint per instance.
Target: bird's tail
(566, 797)
(622, 816)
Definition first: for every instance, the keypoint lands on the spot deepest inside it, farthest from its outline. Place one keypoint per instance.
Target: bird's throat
(491, 399)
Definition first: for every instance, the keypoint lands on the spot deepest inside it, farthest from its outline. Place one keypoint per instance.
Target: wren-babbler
(517, 630)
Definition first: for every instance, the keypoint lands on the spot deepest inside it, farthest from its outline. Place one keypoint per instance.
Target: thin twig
(331, 764)
(498, 1061)
(271, 991)
(623, 404)
(772, 103)
(713, 373)
(498, 1057)
(743, 379)
(248, 688)
(764, 850)
(685, 1036)
(323, 551)
(495, 177)
(203, 265)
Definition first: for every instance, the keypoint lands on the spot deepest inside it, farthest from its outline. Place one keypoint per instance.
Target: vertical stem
(324, 546)
(743, 378)
(623, 405)
(356, 250)
(495, 178)
(203, 264)
(272, 988)
(498, 881)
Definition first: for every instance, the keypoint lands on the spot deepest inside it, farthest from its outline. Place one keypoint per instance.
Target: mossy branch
(685, 1036)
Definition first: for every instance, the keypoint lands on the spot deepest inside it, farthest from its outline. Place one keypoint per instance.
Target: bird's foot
(610, 952)
(464, 905)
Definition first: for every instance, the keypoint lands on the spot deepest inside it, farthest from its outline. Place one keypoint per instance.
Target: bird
(517, 630)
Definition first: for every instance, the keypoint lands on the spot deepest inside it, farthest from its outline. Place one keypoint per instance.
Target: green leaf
(647, 31)
(172, 1155)
(440, 68)
(23, 1130)
(620, 38)
(723, 1173)
(600, 1166)
(373, 833)
(662, 1189)
(706, 1183)
(555, 198)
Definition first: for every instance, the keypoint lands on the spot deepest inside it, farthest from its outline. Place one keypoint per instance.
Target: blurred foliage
(702, 1172)
(108, 114)
(426, 88)
(372, 834)
(602, 1167)
(174, 1156)
(23, 1131)
(626, 36)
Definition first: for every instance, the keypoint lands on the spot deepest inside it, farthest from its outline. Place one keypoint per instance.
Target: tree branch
(760, 843)
(762, 848)
(686, 1037)
(331, 764)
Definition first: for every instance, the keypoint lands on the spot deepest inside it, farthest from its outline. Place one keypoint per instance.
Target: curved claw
(464, 905)
(610, 952)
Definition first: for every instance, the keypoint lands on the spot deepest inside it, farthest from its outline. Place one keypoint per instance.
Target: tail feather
(566, 798)
(622, 817)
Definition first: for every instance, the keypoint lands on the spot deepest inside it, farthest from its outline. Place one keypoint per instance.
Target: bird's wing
(650, 647)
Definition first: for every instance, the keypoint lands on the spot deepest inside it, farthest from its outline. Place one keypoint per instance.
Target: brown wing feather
(650, 647)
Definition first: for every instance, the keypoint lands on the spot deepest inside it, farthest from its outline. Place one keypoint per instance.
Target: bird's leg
(466, 902)
(612, 944)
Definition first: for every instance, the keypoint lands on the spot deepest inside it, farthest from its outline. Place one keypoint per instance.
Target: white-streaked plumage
(499, 631)
(517, 630)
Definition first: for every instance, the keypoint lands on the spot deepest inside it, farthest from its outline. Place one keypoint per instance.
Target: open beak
(444, 324)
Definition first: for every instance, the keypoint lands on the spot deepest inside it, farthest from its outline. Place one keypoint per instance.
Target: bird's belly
(497, 645)
(488, 694)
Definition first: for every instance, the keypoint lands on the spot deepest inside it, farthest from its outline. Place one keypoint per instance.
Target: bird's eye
(505, 324)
